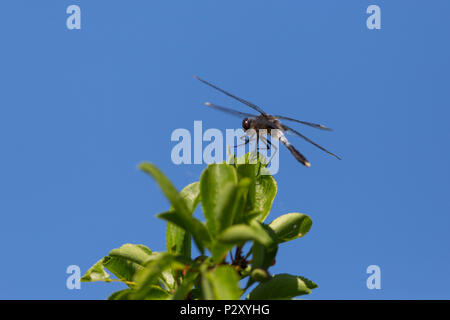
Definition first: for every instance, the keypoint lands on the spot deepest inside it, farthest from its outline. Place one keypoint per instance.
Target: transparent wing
(309, 140)
(251, 105)
(230, 111)
(314, 125)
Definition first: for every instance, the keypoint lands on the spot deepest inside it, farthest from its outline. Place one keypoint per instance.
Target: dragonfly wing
(230, 111)
(251, 105)
(309, 140)
(311, 124)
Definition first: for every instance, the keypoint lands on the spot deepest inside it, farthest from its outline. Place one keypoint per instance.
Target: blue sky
(80, 109)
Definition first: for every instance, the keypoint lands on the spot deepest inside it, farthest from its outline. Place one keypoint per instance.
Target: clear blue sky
(80, 109)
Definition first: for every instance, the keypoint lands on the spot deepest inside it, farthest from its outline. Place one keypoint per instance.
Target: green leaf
(156, 293)
(237, 234)
(137, 253)
(291, 226)
(178, 241)
(218, 191)
(96, 273)
(247, 171)
(167, 278)
(219, 250)
(225, 207)
(127, 260)
(246, 218)
(260, 275)
(282, 286)
(239, 212)
(221, 283)
(207, 289)
(190, 224)
(241, 233)
(186, 286)
(263, 187)
(122, 268)
(266, 189)
(180, 207)
(263, 257)
(150, 274)
(167, 188)
(121, 295)
(263, 254)
(123, 262)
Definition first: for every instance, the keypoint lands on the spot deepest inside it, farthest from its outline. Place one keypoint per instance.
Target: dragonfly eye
(246, 124)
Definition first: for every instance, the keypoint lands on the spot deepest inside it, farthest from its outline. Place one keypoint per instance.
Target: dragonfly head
(246, 124)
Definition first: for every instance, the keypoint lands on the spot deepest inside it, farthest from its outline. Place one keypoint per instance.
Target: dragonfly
(269, 123)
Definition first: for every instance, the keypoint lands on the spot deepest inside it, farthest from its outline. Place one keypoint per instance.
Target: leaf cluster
(235, 199)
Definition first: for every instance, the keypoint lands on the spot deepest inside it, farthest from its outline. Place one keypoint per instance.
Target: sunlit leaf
(221, 283)
(151, 273)
(282, 286)
(219, 250)
(185, 287)
(178, 241)
(156, 293)
(180, 208)
(122, 268)
(260, 275)
(263, 187)
(96, 273)
(248, 171)
(218, 187)
(241, 233)
(133, 252)
(190, 224)
(167, 188)
(291, 226)
(266, 189)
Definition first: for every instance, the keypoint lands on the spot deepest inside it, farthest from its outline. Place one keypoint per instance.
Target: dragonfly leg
(269, 145)
(257, 154)
(257, 147)
(247, 140)
(265, 142)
